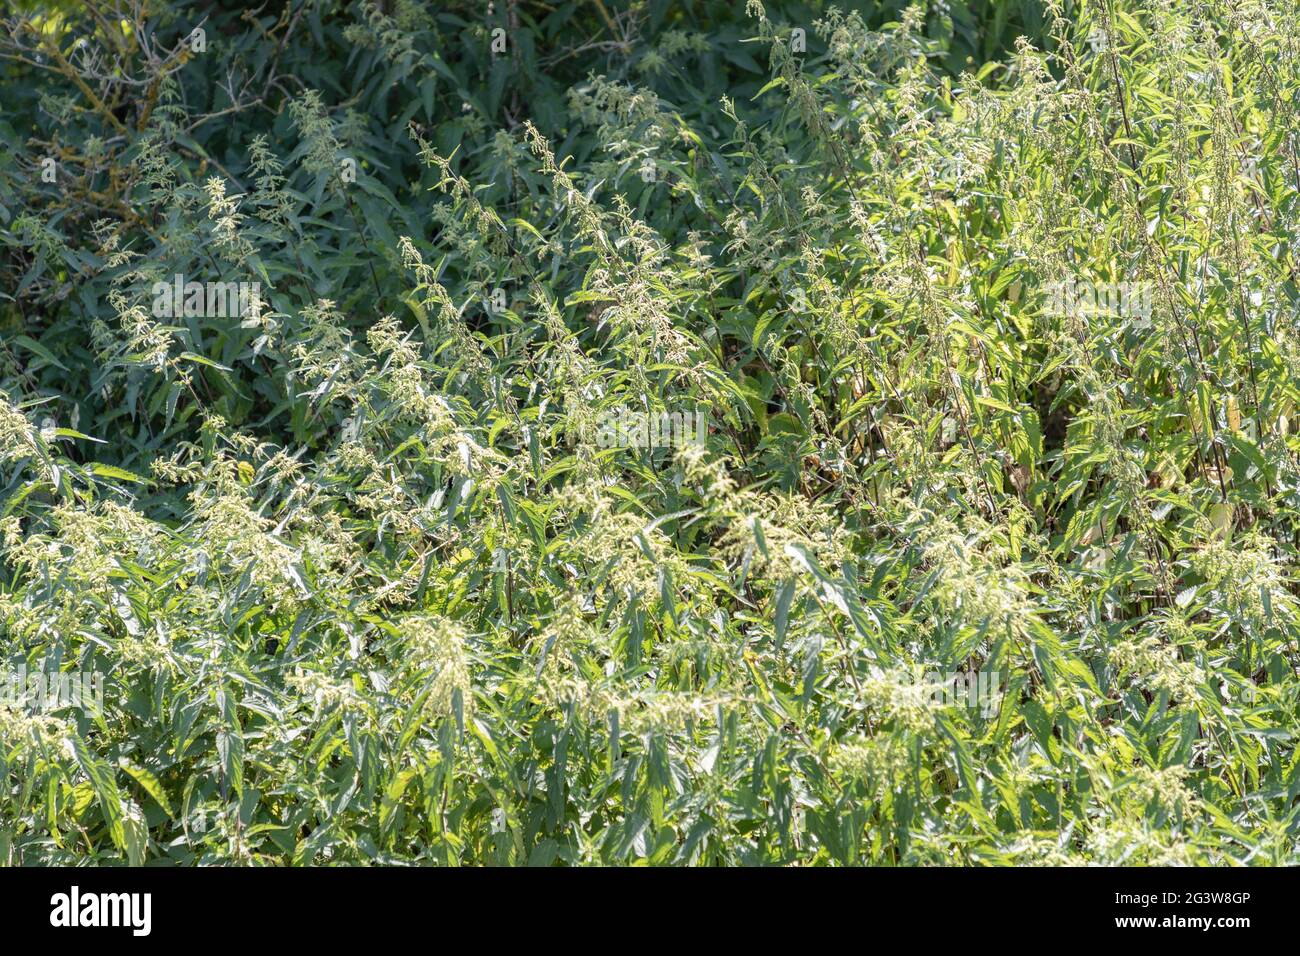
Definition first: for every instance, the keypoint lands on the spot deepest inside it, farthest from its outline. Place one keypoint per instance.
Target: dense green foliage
(366, 576)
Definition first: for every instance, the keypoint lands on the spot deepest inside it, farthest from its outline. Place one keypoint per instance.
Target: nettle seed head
(226, 219)
(317, 131)
(17, 435)
(976, 578)
(1246, 581)
(769, 531)
(1164, 786)
(438, 645)
(323, 691)
(39, 732)
(1133, 842)
(898, 696)
(560, 650)
(1157, 666)
(659, 712)
(11, 532)
(876, 761)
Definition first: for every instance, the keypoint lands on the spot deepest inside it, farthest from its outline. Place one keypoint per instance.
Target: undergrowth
(369, 577)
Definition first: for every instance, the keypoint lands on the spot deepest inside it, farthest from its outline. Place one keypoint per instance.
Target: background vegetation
(363, 582)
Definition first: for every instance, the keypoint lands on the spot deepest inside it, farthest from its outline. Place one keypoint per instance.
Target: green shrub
(668, 438)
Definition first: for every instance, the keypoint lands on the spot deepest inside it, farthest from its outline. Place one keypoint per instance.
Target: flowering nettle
(932, 562)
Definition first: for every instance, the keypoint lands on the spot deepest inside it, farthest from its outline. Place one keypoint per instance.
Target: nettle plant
(365, 577)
